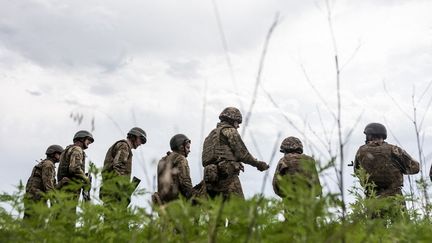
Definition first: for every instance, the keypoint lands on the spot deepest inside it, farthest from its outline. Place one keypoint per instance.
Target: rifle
(135, 182)
(351, 164)
(86, 189)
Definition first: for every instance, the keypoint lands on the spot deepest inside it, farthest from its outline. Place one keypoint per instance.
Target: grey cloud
(183, 69)
(88, 33)
(34, 93)
(103, 89)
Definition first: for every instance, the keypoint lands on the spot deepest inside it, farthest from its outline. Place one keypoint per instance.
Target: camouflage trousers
(226, 188)
(388, 204)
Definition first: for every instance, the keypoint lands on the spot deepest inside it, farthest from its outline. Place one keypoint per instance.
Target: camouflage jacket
(42, 179)
(174, 177)
(72, 163)
(118, 159)
(233, 146)
(385, 165)
(297, 164)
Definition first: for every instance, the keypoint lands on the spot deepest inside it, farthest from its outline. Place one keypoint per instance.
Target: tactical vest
(110, 155)
(35, 180)
(63, 169)
(383, 170)
(215, 148)
(168, 184)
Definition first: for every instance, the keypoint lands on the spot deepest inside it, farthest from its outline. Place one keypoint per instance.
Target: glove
(262, 166)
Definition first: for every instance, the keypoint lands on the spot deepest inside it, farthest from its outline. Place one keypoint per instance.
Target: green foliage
(300, 217)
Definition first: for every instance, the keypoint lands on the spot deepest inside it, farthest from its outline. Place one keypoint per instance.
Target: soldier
(384, 164)
(295, 163)
(42, 179)
(118, 163)
(173, 172)
(72, 167)
(223, 154)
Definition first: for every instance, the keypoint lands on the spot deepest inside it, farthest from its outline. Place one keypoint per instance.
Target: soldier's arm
(185, 186)
(314, 176)
(238, 147)
(408, 164)
(275, 182)
(75, 164)
(120, 159)
(48, 173)
(356, 164)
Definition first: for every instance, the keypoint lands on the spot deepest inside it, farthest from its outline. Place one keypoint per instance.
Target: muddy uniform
(42, 180)
(297, 164)
(385, 164)
(118, 162)
(223, 154)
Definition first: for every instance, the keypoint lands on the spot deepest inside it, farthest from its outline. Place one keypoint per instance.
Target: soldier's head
(137, 136)
(181, 144)
(375, 131)
(291, 145)
(231, 115)
(83, 139)
(53, 152)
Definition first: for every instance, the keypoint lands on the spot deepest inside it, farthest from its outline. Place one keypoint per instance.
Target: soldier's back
(376, 159)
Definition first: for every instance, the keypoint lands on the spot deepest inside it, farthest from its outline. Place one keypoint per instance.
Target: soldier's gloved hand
(262, 166)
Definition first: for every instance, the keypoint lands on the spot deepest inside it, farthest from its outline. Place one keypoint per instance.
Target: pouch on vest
(209, 155)
(167, 184)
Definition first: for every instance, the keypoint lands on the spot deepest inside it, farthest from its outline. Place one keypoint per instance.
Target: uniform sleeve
(356, 164)
(48, 180)
(407, 163)
(238, 147)
(184, 178)
(275, 182)
(314, 176)
(121, 158)
(75, 164)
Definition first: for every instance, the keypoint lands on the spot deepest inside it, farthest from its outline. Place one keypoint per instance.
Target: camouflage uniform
(385, 164)
(118, 162)
(71, 168)
(41, 181)
(295, 163)
(173, 177)
(230, 151)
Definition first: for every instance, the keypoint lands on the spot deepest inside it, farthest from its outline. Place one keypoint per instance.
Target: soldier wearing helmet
(71, 174)
(118, 162)
(295, 163)
(223, 154)
(42, 179)
(173, 173)
(385, 164)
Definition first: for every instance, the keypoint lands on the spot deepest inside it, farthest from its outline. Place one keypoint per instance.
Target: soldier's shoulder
(75, 149)
(47, 163)
(179, 158)
(307, 157)
(229, 131)
(121, 144)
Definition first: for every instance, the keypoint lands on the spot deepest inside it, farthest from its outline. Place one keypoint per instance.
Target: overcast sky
(154, 64)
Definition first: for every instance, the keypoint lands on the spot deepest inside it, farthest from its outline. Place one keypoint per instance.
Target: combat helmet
(83, 134)
(54, 149)
(375, 129)
(178, 140)
(291, 144)
(231, 114)
(136, 131)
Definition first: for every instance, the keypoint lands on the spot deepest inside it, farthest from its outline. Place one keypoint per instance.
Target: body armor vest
(384, 170)
(215, 148)
(63, 169)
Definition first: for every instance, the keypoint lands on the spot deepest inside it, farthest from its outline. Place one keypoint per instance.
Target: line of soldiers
(224, 153)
